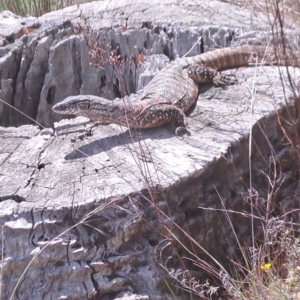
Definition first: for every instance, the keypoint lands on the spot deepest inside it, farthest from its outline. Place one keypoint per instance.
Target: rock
(52, 62)
(91, 218)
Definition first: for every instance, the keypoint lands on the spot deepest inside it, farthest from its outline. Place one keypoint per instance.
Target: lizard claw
(178, 130)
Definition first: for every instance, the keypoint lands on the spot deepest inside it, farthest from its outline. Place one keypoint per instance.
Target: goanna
(171, 92)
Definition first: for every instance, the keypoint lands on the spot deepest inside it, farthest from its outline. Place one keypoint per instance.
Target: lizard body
(171, 92)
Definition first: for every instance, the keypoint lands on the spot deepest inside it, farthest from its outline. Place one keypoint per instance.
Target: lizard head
(73, 105)
(93, 107)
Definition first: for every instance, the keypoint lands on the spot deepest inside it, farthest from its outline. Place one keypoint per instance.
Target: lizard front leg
(160, 114)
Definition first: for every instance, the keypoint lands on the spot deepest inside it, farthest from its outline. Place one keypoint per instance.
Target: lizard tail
(241, 56)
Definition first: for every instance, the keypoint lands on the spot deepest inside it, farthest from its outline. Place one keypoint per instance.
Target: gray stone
(90, 218)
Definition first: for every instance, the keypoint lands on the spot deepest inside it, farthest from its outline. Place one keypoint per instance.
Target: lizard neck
(108, 112)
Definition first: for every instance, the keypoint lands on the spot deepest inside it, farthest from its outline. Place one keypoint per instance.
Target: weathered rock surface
(52, 62)
(80, 217)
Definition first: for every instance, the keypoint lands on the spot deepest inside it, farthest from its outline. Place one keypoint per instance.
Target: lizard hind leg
(160, 114)
(202, 74)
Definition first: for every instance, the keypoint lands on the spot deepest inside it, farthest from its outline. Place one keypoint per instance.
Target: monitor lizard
(171, 92)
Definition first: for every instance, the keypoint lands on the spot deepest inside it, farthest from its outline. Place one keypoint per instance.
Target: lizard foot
(180, 125)
(179, 131)
(224, 79)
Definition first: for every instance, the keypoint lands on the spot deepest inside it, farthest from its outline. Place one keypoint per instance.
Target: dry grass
(36, 7)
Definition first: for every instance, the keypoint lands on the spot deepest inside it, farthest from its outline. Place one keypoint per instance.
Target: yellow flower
(265, 266)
